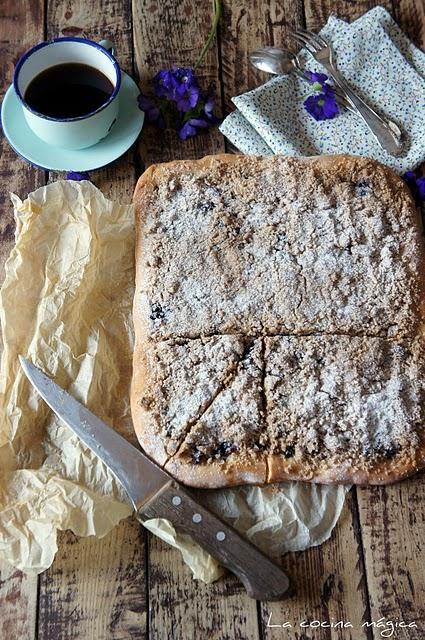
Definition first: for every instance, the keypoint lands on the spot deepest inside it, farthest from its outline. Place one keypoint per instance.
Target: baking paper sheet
(66, 305)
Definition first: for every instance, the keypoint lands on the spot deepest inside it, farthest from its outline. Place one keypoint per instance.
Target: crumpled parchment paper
(66, 305)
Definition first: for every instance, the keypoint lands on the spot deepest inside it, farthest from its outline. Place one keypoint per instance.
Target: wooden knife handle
(262, 578)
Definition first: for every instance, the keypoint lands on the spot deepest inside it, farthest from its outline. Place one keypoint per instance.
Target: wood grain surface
(131, 584)
(21, 27)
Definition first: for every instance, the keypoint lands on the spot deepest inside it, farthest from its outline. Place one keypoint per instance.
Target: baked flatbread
(278, 316)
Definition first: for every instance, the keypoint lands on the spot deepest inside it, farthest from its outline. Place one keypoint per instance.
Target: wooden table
(130, 584)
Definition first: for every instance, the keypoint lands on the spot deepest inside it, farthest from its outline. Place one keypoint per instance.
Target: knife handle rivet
(196, 517)
(220, 535)
(176, 500)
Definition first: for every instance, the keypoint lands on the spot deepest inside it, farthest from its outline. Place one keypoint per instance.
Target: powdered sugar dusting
(280, 305)
(185, 377)
(235, 420)
(345, 396)
(275, 245)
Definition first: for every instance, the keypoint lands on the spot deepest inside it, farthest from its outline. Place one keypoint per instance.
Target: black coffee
(68, 90)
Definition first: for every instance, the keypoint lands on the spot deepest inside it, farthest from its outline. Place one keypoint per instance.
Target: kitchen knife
(155, 494)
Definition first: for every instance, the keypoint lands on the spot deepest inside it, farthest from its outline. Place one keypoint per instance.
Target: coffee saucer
(31, 148)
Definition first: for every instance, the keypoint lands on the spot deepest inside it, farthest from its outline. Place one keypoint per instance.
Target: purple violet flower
(77, 175)
(322, 106)
(420, 185)
(317, 77)
(187, 97)
(178, 99)
(319, 82)
(416, 185)
(185, 76)
(176, 84)
(152, 112)
(165, 84)
(410, 179)
(327, 88)
(190, 128)
(209, 109)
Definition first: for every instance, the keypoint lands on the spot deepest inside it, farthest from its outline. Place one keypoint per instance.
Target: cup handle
(108, 45)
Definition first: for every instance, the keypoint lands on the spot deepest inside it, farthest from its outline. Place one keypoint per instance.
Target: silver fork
(282, 62)
(386, 132)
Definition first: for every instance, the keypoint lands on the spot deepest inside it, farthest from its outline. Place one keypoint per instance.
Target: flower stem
(212, 33)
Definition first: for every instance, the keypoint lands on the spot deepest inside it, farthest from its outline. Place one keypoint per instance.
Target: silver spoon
(281, 62)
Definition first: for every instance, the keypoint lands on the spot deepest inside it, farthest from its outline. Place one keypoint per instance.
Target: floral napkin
(378, 60)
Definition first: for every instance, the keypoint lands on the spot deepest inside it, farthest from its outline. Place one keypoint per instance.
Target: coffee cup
(62, 106)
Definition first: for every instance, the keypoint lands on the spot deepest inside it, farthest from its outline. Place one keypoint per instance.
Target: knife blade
(155, 494)
(140, 477)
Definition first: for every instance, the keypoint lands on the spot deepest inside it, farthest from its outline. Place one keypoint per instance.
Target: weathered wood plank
(410, 15)
(21, 26)
(18, 604)
(186, 609)
(181, 607)
(96, 588)
(329, 588)
(391, 518)
(170, 33)
(318, 11)
(393, 530)
(245, 27)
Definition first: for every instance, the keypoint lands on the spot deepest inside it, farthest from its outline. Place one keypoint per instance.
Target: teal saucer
(27, 145)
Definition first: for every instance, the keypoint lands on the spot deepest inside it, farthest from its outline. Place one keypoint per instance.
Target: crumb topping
(348, 397)
(185, 377)
(277, 245)
(279, 302)
(234, 422)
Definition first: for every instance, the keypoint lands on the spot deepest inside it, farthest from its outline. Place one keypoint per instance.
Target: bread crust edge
(272, 468)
